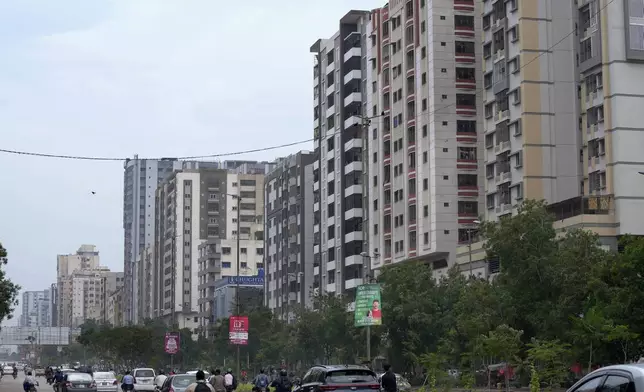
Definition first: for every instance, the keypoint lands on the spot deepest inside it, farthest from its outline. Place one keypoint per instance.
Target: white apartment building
(338, 99)
(81, 287)
(36, 311)
(141, 177)
(196, 207)
(425, 138)
(289, 275)
(562, 116)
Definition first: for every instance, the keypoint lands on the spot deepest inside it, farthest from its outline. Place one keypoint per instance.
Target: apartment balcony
(503, 209)
(351, 121)
(466, 164)
(316, 80)
(466, 84)
(468, 190)
(502, 147)
(351, 283)
(330, 90)
(464, 5)
(352, 190)
(353, 52)
(353, 166)
(504, 177)
(355, 97)
(330, 111)
(465, 110)
(501, 115)
(356, 74)
(330, 68)
(353, 260)
(353, 143)
(467, 58)
(499, 55)
(353, 213)
(353, 236)
(464, 31)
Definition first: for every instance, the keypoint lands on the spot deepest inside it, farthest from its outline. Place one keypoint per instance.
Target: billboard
(44, 336)
(172, 343)
(238, 330)
(368, 309)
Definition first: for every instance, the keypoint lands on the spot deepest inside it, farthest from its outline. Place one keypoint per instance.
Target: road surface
(8, 384)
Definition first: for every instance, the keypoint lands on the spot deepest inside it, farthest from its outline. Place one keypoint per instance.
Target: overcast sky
(153, 77)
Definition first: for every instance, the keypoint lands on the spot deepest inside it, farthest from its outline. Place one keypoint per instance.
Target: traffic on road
(340, 378)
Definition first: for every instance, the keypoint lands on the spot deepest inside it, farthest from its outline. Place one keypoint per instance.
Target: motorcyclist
(127, 383)
(59, 379)
(30, 382)
(283, 383)
(261, 381)
(15, 371)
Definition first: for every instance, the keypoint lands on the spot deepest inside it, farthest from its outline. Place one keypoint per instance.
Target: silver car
(617, 378)
(106, 382)
(178, 382)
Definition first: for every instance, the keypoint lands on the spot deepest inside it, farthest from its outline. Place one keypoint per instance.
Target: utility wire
(114, 159)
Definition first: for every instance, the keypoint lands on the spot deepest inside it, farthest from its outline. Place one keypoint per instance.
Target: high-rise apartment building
(532, 139)
(289, 275)
(338, 98)
(560, 114)
(196, 208)
(425, 161)
(36, 309)
(141, 179)
(81, 287)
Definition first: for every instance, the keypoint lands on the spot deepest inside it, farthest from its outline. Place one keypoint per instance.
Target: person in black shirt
(388, 380)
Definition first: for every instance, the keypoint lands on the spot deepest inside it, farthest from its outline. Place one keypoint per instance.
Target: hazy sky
(153, 77)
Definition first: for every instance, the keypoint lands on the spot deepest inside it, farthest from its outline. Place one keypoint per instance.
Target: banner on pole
(238, 330)
(172, 342)
(368, 309)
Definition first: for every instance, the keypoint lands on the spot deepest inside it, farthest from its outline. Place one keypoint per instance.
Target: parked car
(616, 378)
(178, 382)
(106, 382)
(79, 382)
(340, 378)
(144, 379)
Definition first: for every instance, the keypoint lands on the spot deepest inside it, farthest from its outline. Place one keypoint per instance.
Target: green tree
(550, 359)
(8, 290)
(504, 343)
(411, 312)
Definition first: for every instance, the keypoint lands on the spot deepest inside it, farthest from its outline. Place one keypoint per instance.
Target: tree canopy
(8, 289)
(559, 299)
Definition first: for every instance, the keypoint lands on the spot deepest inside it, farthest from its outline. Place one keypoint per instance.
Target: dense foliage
(8, 290)
(559, 299)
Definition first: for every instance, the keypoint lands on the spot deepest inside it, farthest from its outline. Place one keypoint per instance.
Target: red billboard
(238, 330)
(172, 343)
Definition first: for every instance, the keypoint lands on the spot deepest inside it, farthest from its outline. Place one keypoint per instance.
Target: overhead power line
(443, 107)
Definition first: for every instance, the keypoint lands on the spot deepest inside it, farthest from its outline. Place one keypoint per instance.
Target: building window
(225, 264)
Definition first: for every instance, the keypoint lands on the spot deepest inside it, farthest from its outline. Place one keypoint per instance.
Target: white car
(7, 370)
(144, 379)
(106, 382)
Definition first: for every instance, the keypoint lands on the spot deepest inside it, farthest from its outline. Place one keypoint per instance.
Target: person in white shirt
(160, 379)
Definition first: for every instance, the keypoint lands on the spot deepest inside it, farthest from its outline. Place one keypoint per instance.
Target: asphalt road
(8, 384)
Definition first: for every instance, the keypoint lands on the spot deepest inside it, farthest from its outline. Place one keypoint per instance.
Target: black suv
(339, 378)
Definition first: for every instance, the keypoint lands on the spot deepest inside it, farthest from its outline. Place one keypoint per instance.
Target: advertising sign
(238, 330)
(368, 309)
(172, 343)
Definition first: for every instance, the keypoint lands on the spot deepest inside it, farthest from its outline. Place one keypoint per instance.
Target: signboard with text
(238, 330)
(368, 309)
(172, 343)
